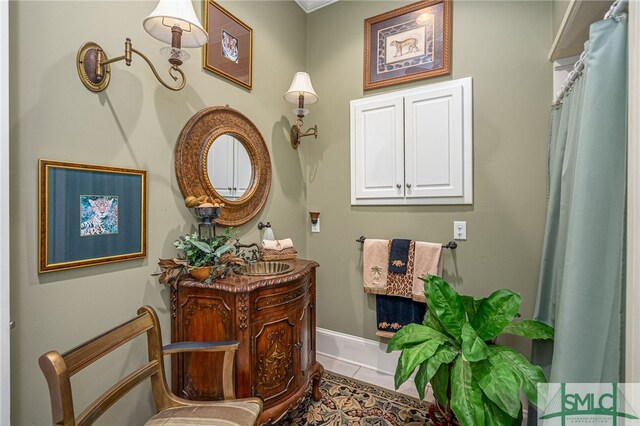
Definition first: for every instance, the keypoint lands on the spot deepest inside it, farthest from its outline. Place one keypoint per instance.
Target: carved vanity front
(274, 319)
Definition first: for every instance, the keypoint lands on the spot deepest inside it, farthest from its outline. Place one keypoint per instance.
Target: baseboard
(356, 350)
(360, 351)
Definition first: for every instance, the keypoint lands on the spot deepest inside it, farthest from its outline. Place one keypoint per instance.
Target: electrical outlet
(459, 230)
(315, 227)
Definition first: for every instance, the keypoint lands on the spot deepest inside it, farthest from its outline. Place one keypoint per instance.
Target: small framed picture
(407, 44)
(90, 215)
(229, 50)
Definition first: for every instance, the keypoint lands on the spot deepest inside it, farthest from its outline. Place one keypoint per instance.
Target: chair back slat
(59, 368)
(94, 349)
(114, 393)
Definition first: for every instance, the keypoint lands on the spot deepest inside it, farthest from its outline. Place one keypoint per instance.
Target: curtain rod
(617, 9)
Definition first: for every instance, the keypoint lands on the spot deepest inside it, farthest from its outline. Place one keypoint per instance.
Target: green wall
(134, 123)
(503, 46)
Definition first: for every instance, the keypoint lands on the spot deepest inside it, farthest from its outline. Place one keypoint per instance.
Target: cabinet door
(419, 139)
(220, 167)
(242, 167)
(204, 319)
(274, 355)
(377, 152)
(433, 143)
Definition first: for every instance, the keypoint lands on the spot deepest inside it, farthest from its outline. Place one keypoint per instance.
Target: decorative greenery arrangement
(215, 252)
(474, 380)
(204, 252)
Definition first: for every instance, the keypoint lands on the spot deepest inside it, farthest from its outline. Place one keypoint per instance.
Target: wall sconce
(301, 92)
(173, 22)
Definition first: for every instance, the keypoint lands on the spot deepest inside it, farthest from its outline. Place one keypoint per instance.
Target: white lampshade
(301, 85)
(175, 12)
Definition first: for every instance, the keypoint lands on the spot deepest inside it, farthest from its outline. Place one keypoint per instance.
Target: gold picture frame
(407, 44)
(229, 50)
(90, 215)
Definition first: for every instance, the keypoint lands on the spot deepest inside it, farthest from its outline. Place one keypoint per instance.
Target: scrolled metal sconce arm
(95, 71)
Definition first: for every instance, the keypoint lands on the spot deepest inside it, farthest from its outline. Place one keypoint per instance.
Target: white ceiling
(311, 5)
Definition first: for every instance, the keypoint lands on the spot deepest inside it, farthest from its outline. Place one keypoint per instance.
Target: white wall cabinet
(413, 146)
(229, 167)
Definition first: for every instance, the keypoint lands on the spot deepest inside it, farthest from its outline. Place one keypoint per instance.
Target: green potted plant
(204, 258)
(475, 381)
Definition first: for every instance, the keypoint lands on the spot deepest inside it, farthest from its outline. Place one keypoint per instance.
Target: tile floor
(368, 375)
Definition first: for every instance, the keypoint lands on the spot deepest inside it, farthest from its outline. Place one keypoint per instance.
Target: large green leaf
(498, 382)
(531, 329)
(440, 384)
(412, 357)
(470, 305)
(430, 320)
(446, 305)
(420, 379)
(202, 246)
(528, 375)
(494, 416)
(473, 347)
(466, 395)
(444, 355)
(495, 312)
(414, 334)
(222, 250)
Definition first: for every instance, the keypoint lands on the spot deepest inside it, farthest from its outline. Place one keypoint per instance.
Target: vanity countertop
(236, 283)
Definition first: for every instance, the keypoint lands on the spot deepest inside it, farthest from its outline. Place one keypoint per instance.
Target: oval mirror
(221, 153)
(229, 167)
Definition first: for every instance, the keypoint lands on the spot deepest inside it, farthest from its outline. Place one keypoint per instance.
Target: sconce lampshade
(301, 85)
(175, 12)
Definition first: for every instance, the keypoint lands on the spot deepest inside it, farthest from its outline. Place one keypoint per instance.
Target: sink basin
(264, 268)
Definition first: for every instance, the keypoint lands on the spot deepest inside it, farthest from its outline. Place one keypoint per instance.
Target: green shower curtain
(582, 270)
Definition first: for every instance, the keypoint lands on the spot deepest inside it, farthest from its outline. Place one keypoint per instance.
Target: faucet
(253, 258)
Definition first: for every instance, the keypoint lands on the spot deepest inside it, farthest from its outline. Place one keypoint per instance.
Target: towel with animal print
(401, 266)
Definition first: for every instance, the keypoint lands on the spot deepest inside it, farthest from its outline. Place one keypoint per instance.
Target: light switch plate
(459, 230)
(315, 227)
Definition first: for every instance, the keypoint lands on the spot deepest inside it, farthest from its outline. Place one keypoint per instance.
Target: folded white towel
(277, 244)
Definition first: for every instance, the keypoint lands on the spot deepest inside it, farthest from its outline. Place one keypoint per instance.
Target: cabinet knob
(228, 188)
(408, 185)
(398, 186)
(298, 345)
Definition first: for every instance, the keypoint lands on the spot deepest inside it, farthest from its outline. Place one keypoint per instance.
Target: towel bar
(450, 245)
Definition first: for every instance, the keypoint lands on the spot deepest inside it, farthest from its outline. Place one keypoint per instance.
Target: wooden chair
(172, 410)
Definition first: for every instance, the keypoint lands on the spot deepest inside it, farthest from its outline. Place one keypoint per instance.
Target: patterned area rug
(349, 402)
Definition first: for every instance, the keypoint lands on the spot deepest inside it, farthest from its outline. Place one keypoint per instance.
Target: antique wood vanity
(274, 319)
(221, 153)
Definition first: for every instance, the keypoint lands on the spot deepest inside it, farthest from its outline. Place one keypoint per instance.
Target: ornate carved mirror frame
(193, 146)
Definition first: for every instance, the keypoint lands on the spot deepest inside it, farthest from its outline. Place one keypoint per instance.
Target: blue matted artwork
(90, 215)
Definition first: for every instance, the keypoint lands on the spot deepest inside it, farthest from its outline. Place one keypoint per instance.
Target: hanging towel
(393, 313)
(428, 261)
(375, 264)
(399, 256)
(277, 244)
(400, 283)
